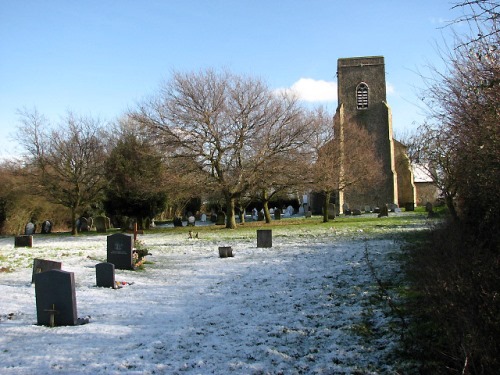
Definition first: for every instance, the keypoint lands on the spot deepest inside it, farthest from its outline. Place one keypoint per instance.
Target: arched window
(362, 96)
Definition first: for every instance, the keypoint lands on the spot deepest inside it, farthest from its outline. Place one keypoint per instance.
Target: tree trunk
(325, 207)
(73, 221)
(451, 206)
(230, 216)
(265, 203)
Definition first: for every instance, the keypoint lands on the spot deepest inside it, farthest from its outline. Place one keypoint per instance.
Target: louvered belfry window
(362, 96)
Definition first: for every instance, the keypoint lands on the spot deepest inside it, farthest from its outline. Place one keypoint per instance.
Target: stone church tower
(362, 100)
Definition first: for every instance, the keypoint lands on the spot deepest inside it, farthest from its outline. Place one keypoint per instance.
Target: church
(362, 99)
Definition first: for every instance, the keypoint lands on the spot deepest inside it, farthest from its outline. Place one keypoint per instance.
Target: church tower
(362, 100)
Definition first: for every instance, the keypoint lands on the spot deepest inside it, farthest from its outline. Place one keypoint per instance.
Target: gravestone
(23, 241)
(429, 207)
(55, 298)
(277, 214)
(42, 265)
(409, 206)
(120, 248)
(308, 213)
(84, 224)
(221, 218)
(260, 216)
(100, 224)
(331, 211)
(177, 221)
(368, 209)
(384, 211)
(264, 238)
(225, 251)
(29, 229)
(356, 212)
(105, 275)
(203, 218)
(191, 221)
(46, 227)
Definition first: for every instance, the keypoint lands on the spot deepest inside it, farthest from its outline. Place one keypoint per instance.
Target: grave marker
(42, 265)
(119, 249)
(264, 238)
(23, 241)
(105, 275)
(225, 251)
(55, 298)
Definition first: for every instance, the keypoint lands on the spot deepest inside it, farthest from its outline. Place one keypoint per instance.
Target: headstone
(23, 241)
(203, 218)
(331, 210)
(277, 214)
(264, 238)
(368, 209)
(55, 298)
(260, 216)
(384, 211)
(108, 222)
(221, 218)
(177, 221)
(105, 275)
(225, 251)
(409, 206)
(100, 224)
(46, 227)
(308, 214)
(428, 207)
(120, 249)
(29, 229)
(301, 210)
(84, 224)
(42, 265)
(191, 221)
(356, 212)
(290, 210)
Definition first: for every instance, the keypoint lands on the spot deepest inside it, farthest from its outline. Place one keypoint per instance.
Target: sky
(100, 58)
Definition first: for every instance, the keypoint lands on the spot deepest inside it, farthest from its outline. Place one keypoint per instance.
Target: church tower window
(362, 96)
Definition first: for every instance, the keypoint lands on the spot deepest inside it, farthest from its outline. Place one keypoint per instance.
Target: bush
(455, 304)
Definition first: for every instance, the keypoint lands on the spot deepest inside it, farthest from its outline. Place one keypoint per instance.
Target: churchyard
(296, 296)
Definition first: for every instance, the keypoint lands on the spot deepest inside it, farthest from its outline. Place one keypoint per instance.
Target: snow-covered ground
(303, 306)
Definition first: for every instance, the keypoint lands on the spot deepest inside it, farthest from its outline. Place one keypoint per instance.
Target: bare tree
(228, 126)
(65, 164)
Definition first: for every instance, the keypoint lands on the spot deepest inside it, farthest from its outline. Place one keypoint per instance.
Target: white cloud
(311, 90)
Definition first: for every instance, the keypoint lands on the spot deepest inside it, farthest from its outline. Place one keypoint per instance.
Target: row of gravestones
(55, 288)
(30, 228)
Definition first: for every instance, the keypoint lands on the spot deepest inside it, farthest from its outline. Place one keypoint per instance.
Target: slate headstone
(331, 211)
(225, 251)
(100, 224)
(277, 214)
(384, 211)
(264, 238)
(105, 275)
(46, 227)
(119, 249)
(23, 241)
(42, 265)
(55, 298)
(221, 218)
(84, 224)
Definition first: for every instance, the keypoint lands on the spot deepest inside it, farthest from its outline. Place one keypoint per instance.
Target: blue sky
(101, 57)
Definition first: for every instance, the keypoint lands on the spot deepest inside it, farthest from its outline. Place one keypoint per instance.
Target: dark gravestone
(100, 224)
(384, 211)
(42, 265)
(84, 224)
(331, 211)
(225, 251)
(356, 212)
(23, 241)
(120, 247)
(55, 298)
(277, 214)
(177, 221)
(105, 275)
(221, 218)
(409, 206)
(46, 227)
(264, 238)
